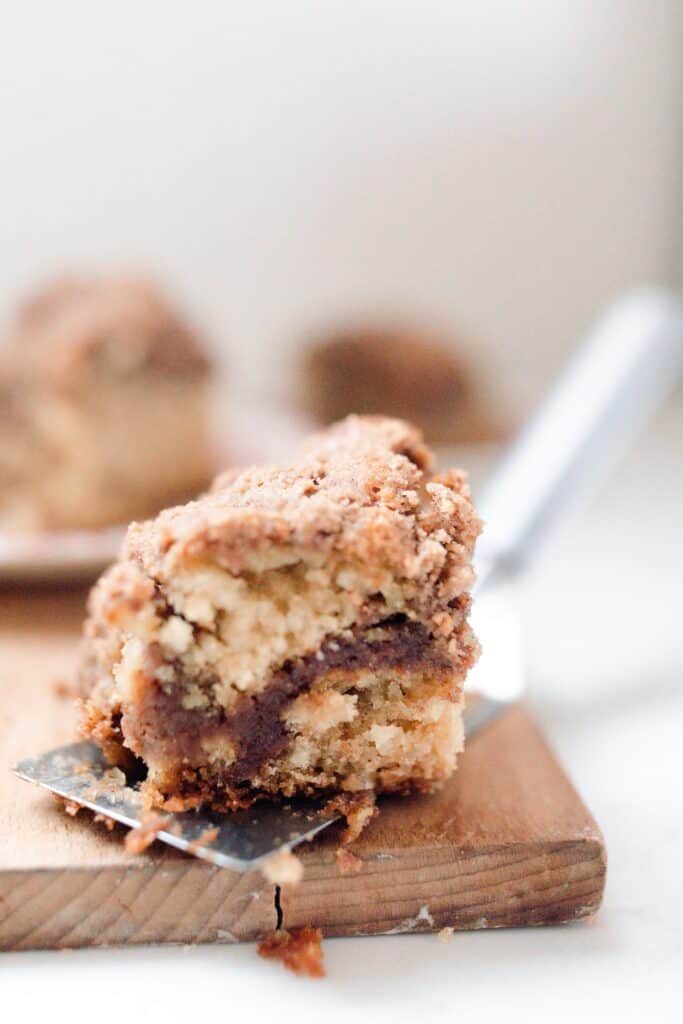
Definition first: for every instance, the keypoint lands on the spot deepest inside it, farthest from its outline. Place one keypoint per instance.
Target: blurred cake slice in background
(104, 407)
(399, 372)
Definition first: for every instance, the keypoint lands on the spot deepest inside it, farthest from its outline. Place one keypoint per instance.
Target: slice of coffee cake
(296, 630)
(104, 407)
(400, 370)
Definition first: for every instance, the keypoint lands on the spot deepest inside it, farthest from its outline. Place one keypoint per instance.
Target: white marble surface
(605, 646)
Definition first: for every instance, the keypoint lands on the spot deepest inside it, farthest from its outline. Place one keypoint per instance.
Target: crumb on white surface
(299, 950)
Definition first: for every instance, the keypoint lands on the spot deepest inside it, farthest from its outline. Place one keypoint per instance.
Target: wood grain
(507, 842)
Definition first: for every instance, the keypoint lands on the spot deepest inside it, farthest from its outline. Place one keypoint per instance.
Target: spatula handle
(630, 362)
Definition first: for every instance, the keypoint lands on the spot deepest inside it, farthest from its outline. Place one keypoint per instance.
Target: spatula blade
(244, 839)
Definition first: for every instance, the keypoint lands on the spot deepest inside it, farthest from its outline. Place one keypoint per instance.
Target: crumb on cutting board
(63, 688)
(347, 862)
(446, 934)
(299, 950)
(283, 868)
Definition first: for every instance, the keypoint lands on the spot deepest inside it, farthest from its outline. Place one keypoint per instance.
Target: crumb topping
(361, 490)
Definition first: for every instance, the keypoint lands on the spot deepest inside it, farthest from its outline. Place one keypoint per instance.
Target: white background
(507, 167)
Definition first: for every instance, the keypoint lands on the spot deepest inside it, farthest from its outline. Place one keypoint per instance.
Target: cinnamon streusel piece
(299, 629)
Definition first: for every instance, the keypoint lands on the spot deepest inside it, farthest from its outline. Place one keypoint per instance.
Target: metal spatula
(244, 838)
(629, 364)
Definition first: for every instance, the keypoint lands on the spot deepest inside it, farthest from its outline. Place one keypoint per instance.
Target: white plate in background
(250, 432)
(59, 556)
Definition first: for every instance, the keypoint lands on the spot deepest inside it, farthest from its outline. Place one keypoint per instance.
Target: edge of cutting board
(507, 842)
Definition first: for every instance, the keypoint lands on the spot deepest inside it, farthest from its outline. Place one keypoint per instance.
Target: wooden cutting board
(507, 842)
